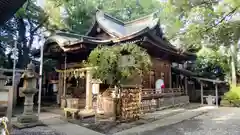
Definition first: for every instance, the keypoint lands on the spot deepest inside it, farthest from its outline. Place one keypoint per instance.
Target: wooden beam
(10, 70)
(71, 70)
(209, 80)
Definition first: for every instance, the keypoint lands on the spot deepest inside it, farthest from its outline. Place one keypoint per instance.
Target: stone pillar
(15, 88)
(28, 117)
(3, 95)
(88, 105)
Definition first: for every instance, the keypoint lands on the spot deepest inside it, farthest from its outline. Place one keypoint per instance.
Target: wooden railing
(167, 92)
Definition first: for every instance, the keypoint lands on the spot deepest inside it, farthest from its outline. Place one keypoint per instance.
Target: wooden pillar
(59, 88)
(186, 85)
(170, 77)
(201, 93)
(65, 76)
(88, 105)
(216, 94)
(141, 88)
(177, 81)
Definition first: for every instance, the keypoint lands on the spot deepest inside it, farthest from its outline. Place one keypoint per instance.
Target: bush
(232, 97)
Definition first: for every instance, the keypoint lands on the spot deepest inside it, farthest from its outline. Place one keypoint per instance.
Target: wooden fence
(167, 92)
(134, 101)
(151, 99)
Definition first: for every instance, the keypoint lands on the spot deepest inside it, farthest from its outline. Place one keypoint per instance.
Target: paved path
(222, 121)
(146, 128)
(68, 128)
(56, 126)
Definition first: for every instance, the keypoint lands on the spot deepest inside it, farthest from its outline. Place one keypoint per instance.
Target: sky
(40, 2)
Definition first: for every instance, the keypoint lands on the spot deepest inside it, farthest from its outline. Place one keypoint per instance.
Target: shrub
(233, 96)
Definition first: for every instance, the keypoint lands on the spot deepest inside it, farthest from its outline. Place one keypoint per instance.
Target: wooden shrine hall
(71, 49)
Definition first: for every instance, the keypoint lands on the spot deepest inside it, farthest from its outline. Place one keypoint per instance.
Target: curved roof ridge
(141, 18)
(124, 23)
(118, 28)
(106, 15)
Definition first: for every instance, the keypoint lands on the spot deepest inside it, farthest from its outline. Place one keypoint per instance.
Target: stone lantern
(29, 89)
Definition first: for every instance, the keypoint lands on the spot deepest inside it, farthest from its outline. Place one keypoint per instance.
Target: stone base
(85, 113)
(27, 121)
(27, 125)
(27, 118)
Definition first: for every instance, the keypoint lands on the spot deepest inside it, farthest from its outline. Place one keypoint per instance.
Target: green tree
(207, 24)
(25, 26)
(109, 67)
(77, 15)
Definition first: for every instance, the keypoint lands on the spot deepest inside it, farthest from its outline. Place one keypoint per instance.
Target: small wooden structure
(73, 112)
(130, 106)
(215, 82)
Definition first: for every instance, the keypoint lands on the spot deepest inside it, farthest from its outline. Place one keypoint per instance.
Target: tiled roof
(120, 29)
(8, 8)
(147, 28)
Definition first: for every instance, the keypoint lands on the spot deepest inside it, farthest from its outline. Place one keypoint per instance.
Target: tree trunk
(23, 49)
(233, 66)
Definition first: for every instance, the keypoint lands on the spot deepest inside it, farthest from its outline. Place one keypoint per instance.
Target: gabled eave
(8, 8)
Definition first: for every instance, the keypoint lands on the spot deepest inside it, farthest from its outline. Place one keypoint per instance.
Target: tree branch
(40, 25)
(223, 18)
(29, 21)
(207, 2)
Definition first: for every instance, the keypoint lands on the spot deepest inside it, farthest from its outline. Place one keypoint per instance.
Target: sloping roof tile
(120, 29)
(8, 8)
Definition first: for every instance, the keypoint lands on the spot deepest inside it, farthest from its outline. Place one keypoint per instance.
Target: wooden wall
(159, 68)
(162, 67)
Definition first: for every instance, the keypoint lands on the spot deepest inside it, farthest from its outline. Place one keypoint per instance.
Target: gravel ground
(223, 121)
(36, 131)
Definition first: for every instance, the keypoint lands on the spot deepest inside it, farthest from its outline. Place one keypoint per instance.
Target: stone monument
(210, 100)
(28, 118)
